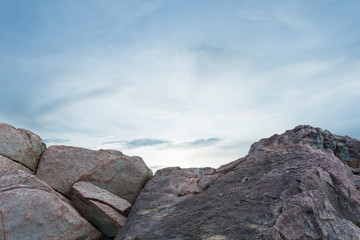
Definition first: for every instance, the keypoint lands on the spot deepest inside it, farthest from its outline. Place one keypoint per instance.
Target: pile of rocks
(64, 192)
(303, 184)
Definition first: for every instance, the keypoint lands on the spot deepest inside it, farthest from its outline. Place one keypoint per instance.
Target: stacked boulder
(64, 192)
(302, 184)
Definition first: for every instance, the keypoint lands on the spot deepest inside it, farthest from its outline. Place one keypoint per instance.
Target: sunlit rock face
(290, 186)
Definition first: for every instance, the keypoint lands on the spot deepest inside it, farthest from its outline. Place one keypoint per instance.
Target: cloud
(55, 140)
(198, 143)
(163, 144)
(137, 143)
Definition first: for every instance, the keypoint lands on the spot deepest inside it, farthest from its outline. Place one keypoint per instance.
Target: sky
(179, 83)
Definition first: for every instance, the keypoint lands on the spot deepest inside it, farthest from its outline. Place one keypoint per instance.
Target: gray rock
(88, 191)
(282, 191)
(62, 166)
(30, 209)
(8, 165)
(105, 218)
(21, 146)
(347, 149)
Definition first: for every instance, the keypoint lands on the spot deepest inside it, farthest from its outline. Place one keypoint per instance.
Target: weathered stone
(88, 191)
(30, 209)
(8, 165)
(21, 146)
(282, 192)
(105, 218)
(62, 166)
(161, 194)
(124, 176)
(345, 148)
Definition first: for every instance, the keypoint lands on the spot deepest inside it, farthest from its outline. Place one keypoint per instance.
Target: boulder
(21, 146)
(161, 194)
(286, 191)
(62, 166)
(347, 149)
(105, 218)
(8, 165)
(30, 209)
(88, 191)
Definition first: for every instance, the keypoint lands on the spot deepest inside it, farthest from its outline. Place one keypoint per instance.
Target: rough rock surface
(100, 207)
(30, 209)
(21, 146)
(8, 165)
(345, 148)
(161, 194)
(105, 218)
(289, 187)
(88, 191)
(62, 166)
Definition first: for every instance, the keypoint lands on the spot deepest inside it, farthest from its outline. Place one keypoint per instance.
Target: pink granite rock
(30, 209)
(62, 166)
(8, 165)
(21, 146)
(287, 191)
(347, 149)
(88, 191)
(104, 217)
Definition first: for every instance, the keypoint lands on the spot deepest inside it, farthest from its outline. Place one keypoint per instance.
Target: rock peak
(344, 147)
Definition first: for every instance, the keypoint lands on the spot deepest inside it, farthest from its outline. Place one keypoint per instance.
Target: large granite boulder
(285, 190)
(21, 146)
(124, 176)
(30, 209)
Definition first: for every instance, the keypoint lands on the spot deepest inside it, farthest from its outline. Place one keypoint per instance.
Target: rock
(100, 207)
(102, 216)
(30, 209)
(124, 176)
(88, 191)
(62, 166)
(161, 194)
(8, 165)
(345, 148)
(287, 191)
(21, 146)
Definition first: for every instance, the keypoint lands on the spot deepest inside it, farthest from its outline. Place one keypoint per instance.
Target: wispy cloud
(136, 143)
(198, 143)
(162, 144)
(55, 140)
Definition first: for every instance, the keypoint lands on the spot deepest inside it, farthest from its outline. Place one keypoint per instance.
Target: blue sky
(189, 83)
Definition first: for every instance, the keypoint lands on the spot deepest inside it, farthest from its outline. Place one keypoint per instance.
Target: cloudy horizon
(178, 83)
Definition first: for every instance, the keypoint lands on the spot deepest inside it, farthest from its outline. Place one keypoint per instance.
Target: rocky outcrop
(103, 209)
(302, 184)
(290, 188)
(62, 166)
(30, 209)
(345, 148)
(21, 146)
